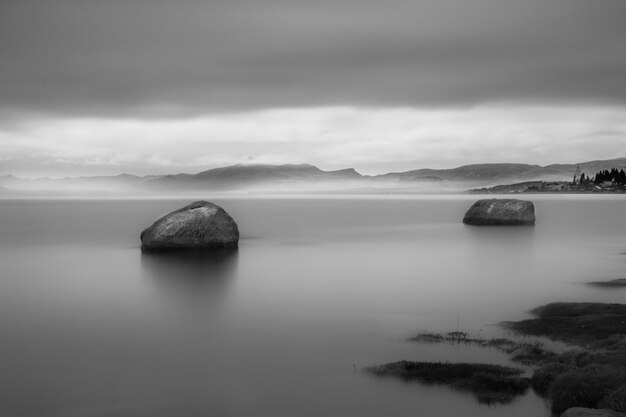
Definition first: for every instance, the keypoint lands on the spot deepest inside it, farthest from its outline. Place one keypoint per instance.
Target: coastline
(550, 187)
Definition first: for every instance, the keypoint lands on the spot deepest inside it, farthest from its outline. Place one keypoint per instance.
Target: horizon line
(303, 164)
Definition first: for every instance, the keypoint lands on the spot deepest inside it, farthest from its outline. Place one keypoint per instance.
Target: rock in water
(200, 225)
(505, 212)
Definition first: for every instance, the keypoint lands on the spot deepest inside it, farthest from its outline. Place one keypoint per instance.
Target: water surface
(319, 286)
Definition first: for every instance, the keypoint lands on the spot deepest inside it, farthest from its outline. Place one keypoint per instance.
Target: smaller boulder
(200, 225)
(500, 212)
(590, 412)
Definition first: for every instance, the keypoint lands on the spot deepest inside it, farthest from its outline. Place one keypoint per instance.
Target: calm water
(91, 327)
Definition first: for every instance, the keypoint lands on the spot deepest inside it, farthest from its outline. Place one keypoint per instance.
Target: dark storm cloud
(150, 57)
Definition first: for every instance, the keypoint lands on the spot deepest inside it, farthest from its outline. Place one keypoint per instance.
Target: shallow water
(319, 286)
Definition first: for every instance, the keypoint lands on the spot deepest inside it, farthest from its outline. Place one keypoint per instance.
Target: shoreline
(550, 187)
(590, 374)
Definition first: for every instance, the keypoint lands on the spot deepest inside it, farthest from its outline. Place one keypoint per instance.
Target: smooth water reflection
(90, 326)
(197, 277)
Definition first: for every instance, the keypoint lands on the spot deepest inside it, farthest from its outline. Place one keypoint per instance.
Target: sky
(93, 87)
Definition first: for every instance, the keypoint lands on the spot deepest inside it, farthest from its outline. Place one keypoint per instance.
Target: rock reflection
(496, 235)
(191, 277)
(503, 249)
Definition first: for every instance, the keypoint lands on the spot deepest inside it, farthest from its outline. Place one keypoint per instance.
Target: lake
(320, 287)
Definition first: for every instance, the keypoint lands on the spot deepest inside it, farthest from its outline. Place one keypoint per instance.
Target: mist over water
(92, 327)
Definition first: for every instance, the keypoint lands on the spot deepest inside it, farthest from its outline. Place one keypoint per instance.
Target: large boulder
(590, 412)
(200, 225)
(504, 212)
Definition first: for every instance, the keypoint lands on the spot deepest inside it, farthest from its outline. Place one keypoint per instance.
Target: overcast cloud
(372, 141)
(90, 65)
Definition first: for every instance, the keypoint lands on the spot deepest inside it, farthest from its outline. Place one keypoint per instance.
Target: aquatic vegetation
(614, 283)
(585, 387)
(489, 383)
(593, 377)
(576, 323)
(616, 399)
(521, 352)
(544, 377)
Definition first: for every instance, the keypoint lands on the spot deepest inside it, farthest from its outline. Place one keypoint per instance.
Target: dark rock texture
(500, 212)
(200, 225)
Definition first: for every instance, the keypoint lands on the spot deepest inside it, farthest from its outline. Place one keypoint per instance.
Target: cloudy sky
(154, 86)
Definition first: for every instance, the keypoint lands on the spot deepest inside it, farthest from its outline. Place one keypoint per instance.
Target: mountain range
(305, 178)
(505, 172)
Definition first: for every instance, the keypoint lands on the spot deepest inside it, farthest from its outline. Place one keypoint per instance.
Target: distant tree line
(612, 175)
(618, 177)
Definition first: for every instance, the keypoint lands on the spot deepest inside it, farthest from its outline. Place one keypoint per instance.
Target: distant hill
(309, 178)
(490, 173)
(466, 172)
(237, 176)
